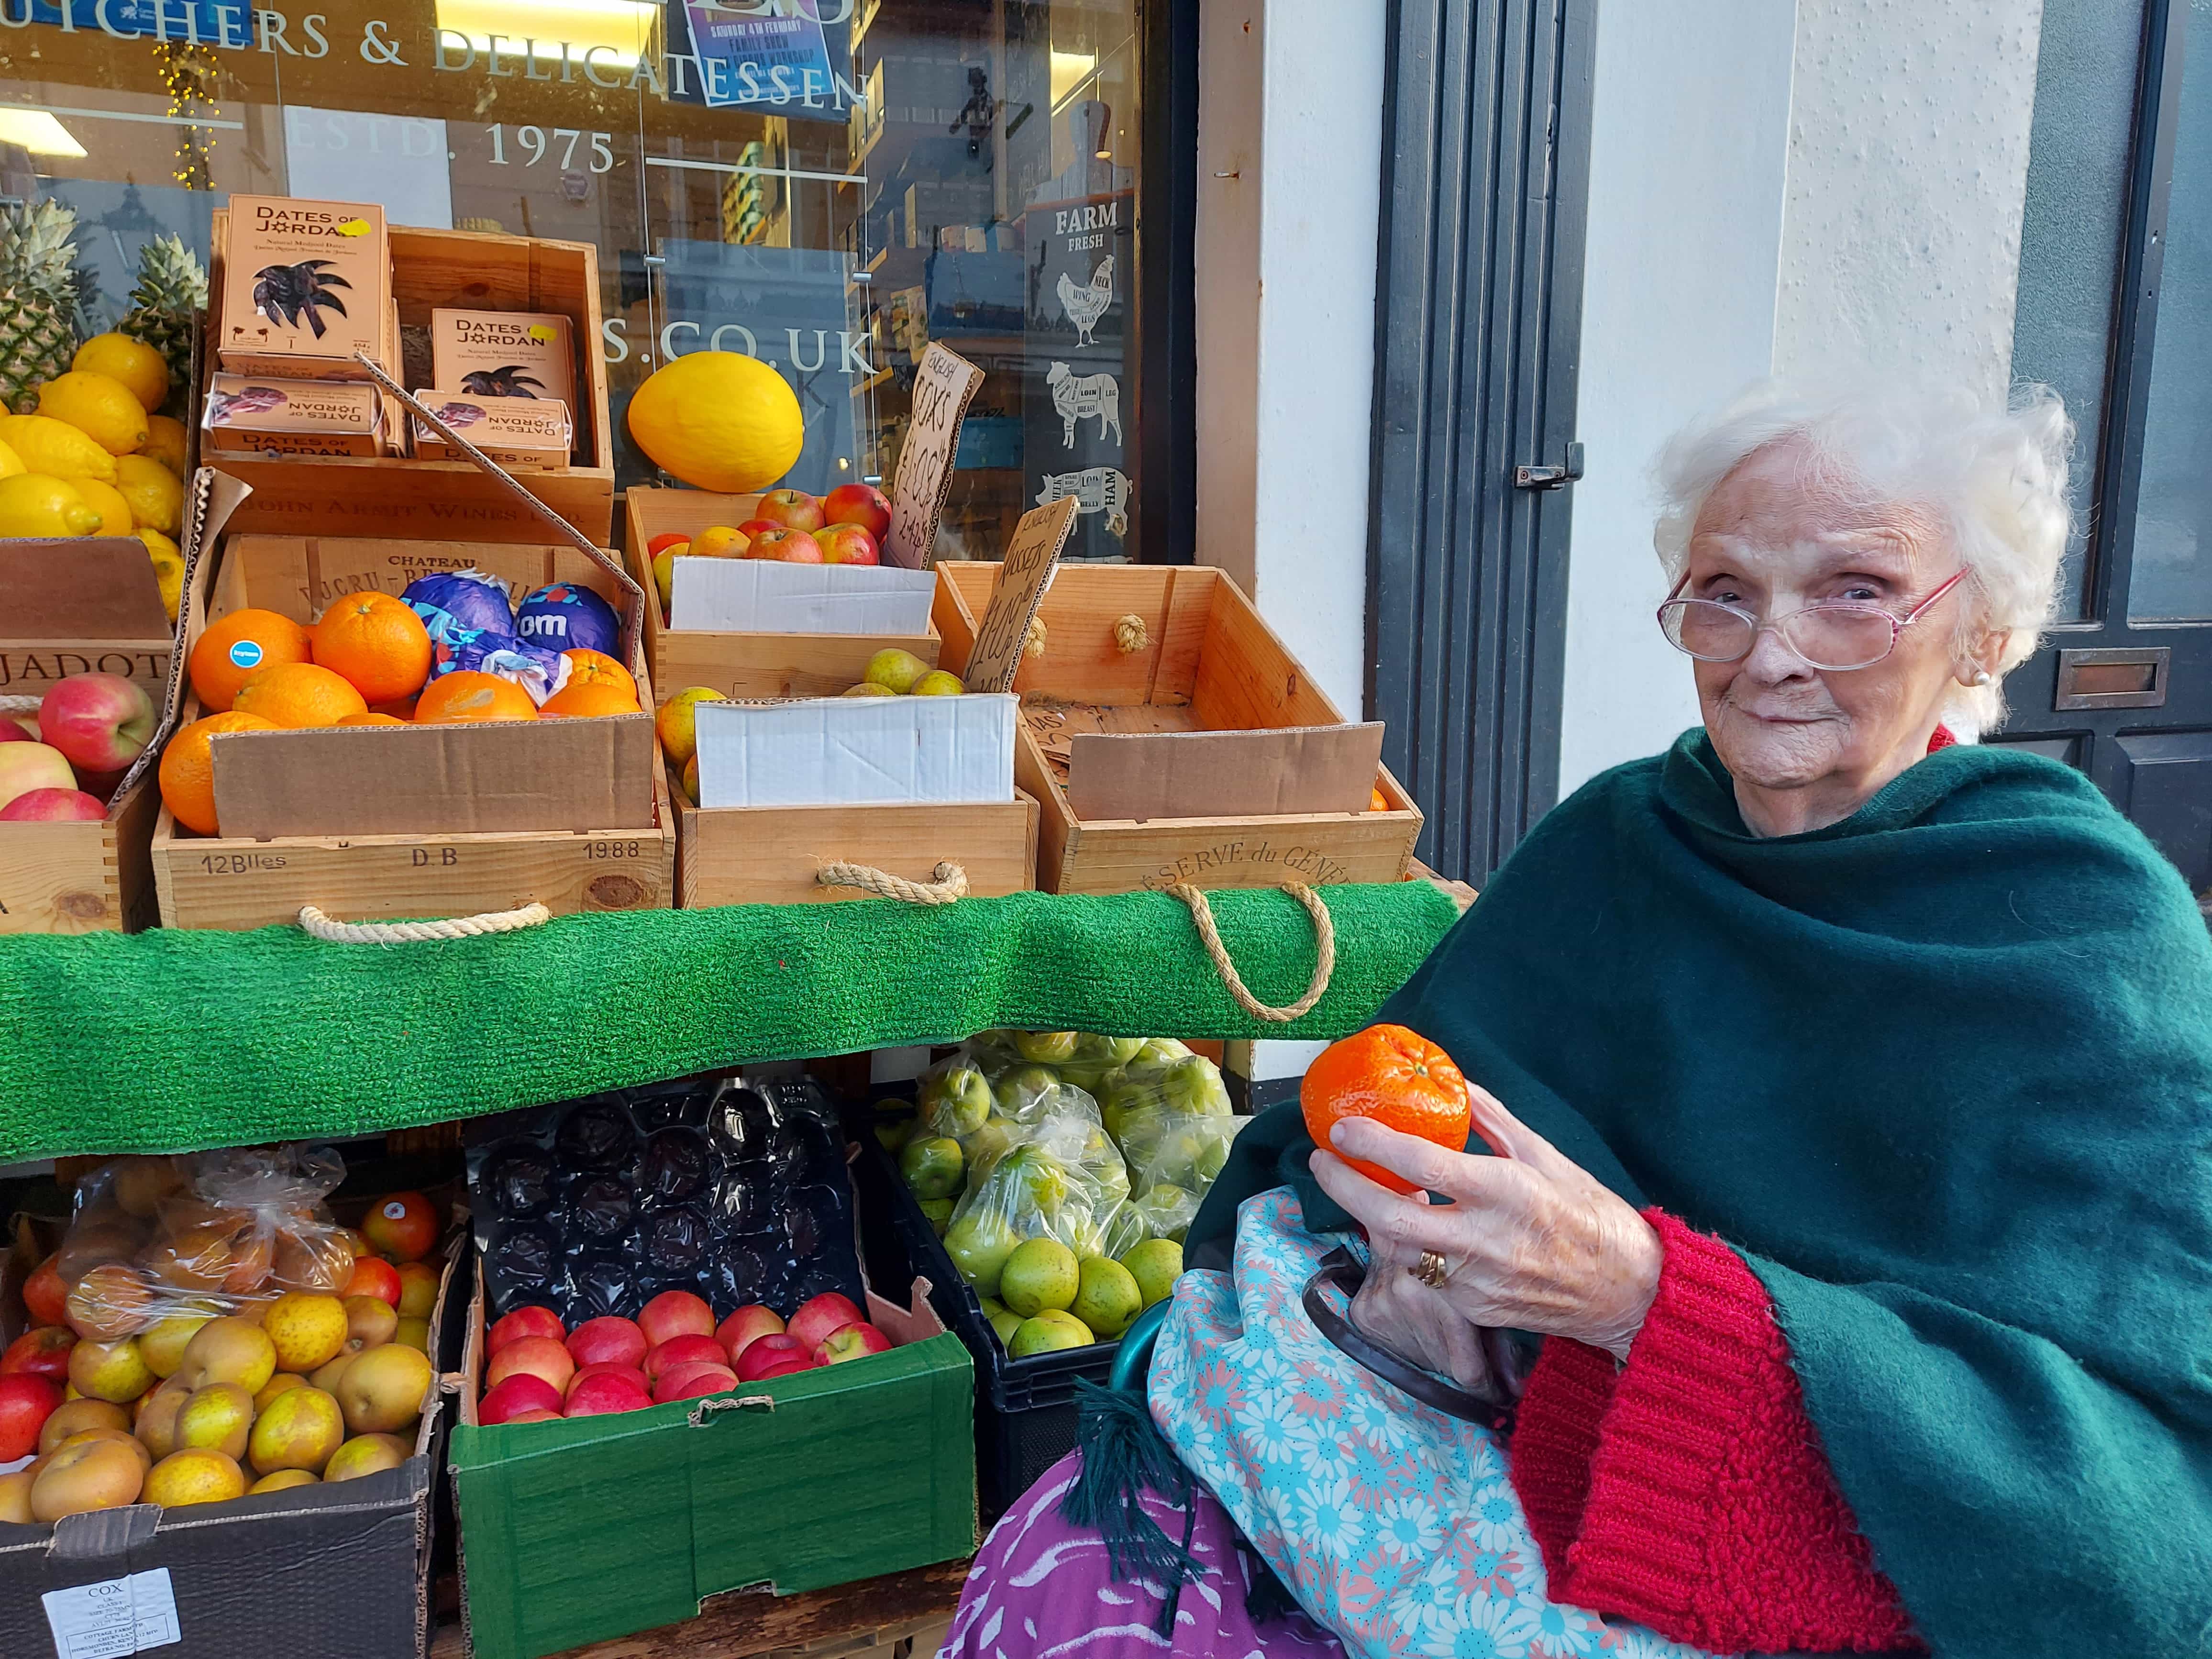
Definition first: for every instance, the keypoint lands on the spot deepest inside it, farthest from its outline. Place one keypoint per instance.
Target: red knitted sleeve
(1687, 1490)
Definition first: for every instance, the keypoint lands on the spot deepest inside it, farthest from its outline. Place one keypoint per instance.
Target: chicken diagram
(1085, 304)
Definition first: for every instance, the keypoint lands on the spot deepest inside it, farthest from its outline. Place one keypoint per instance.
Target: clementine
(1396, 1076)
(377, 642)
(466, 694)
(187, 773)
(1377, 801)
(589, 697)
(298, 696)
(237, 646)
(598, 665)
(400, 708)
(372, 718)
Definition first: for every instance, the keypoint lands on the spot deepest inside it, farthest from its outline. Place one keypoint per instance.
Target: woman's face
(1806, 746)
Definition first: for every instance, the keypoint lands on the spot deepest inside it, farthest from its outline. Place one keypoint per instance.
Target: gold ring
(1431, 1271)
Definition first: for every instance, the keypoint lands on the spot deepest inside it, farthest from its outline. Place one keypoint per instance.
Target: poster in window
(789, 57)
(1077, 382)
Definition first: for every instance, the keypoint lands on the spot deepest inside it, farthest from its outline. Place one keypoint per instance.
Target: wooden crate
(770, 854)
(395, 496)
(232, 882)
(1208, 663)
(741, 665)
(82, 878)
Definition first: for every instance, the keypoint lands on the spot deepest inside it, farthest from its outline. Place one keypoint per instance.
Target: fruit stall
(589, 1077)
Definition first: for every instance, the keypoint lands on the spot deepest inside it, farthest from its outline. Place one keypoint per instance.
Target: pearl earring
(1981, 677)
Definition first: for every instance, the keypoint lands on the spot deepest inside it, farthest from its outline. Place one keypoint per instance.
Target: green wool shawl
(1942, 1074)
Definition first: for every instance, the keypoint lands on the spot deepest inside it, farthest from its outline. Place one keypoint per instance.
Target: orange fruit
(372, 718)
(1377, 801)
(377, 642)
(1396, 1076)
(238, 647)
(589, 697)
(466, 694)
(400, 708)
(598, 665)
(299, 695)
(187, 773)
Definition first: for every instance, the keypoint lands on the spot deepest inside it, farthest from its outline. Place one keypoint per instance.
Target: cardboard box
(741, 663)
(857, 752)
(339, 1571)
(430, 821)
(79, 878)
(257, 416)
(312, 283)
(574, 1532)
(399, 496)
(504, 353)
(1207, 754)
(524, 434)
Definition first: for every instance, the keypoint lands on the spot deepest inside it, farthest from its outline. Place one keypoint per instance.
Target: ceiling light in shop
(38, 132)
(624, 27)
(1069, 69)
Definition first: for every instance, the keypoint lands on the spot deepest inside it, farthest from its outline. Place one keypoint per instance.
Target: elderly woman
(1850, 1098)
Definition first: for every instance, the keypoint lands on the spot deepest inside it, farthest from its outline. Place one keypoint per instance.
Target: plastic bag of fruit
(1081, 1058)
(1059, 1178)
(212, 1230)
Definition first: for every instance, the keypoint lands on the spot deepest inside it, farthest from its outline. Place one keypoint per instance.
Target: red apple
(684, 1350)
(99, 722)
(746, 1325)
(532, 1321)
(44, 1295)
(690, 1381)
(608, 1339)
(790, 546)
(42, 1350)
(374, 1276)
(508, 1398)
(861, 504)
(541, 1415)
(752, 527)
(27, 766)
(539, 1356)
(825, 1313)
(847, 544)
(27, 723)
(668, 538)
(854, 1341)
(772, 1350)
(785, 1368)
(608, 1368)
(26, 1403)
(601, 1394)
(54, 806)
(12, 731)
(794, 507)
(675, 1313)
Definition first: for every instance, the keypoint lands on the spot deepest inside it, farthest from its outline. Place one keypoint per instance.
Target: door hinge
(1550, 477)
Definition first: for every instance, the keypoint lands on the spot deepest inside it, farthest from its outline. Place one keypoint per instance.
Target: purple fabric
(1041, 1589)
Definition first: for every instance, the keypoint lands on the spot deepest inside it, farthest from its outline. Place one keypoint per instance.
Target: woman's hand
(1530, 1242)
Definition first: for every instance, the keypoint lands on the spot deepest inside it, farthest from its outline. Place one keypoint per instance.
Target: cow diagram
(1083, 397)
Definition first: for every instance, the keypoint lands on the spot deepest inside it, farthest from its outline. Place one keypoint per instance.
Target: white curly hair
(1994, 477)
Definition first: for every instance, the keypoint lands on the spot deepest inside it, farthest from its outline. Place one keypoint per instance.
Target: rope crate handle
(707, 1407)
(318, 925)
(1201, 914)
(12, 703)
(947, 883)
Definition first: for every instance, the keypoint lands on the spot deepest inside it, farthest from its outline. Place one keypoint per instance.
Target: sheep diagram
(1083, 398)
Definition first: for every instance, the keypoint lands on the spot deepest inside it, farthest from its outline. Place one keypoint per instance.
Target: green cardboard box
(575, 1532)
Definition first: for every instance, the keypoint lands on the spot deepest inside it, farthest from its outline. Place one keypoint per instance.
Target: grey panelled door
(1484, 192)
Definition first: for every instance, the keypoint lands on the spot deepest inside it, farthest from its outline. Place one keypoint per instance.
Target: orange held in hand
(467, 695)
(1396, 1076)
(188, 769)
(236, 647)
(377, 642)
(298, 696)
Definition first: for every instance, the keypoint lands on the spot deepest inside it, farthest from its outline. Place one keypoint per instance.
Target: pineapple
(171, 286)
(37, 299)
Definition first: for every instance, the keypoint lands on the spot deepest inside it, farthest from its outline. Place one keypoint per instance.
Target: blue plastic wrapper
(454, 646)
(469, 597)
(562, 616)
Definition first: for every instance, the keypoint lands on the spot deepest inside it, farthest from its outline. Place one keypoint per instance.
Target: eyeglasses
(1826, 635)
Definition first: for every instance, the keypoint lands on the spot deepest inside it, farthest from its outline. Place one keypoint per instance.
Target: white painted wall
(1908, 169)
(1291, 102)
(1688, 159)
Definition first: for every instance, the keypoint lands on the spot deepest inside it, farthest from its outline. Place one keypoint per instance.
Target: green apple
(979, 1243)
(954, 1102)
(939, 1213)
(1048, 1332)
(896, 670)
(1106, 1298)
(1045, 1047)
(1019, 1089)
(932, 1166)
(1040, 1273)
(1167, 1209)
(937, 684)
(1155, 1265)
(1193, 1084)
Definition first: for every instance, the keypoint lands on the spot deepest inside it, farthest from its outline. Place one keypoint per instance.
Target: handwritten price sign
(1022, 577)
(944, 383)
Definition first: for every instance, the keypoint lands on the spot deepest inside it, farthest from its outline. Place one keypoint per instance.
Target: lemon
(99, 406)
(718, 420)
(10, 463)
(168, 569)
(137, 365)
(46, 445)
(38, 504)
(155, 494)
(165, 442)
(106, 501)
